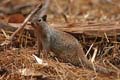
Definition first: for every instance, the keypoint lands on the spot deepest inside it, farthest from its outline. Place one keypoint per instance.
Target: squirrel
(64, 45)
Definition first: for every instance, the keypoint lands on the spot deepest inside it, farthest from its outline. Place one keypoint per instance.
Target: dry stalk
(60, 11)
(114, 67)
(94, 55)
(5, 34)
(25, 22)
(1, 78)
(8, 41)
(106, 37)
(106, 50)
(89, 49)
(94, 69)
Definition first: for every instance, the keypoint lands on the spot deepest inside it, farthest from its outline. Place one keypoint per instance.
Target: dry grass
(90, 21)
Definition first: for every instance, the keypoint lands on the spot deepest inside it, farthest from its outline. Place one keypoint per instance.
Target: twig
(60, 11)
(106, 50)
(3, 31)
(89, 49)
(25, 22)
(113, 66)
(42, 11)
(28, 18)
(106, 37)
(94, 55)
(1, 78)
(8, 41)
(94, 68)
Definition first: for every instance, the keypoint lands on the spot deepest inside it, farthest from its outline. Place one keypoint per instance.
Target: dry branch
(29, 16)
(90, 29)
(25, 22)
(60, 11)
(41, 11)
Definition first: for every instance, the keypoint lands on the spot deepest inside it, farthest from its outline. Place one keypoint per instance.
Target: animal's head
(39, 21)
(42, 19)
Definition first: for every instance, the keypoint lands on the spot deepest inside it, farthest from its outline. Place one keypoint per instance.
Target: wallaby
(64, 45)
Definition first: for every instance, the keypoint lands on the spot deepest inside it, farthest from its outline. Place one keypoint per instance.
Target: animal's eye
(39, 19)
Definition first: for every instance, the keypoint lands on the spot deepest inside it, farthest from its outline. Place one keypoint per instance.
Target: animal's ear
(44, 17)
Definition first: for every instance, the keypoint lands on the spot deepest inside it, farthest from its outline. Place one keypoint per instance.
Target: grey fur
(65, 46)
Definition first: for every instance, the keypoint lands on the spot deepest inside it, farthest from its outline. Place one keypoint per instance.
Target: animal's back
(66, 47)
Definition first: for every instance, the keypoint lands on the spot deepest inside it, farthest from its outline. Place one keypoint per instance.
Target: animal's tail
(90, 65)
(96, 68)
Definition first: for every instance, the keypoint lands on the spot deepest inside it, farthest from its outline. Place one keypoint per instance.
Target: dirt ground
(95, 23)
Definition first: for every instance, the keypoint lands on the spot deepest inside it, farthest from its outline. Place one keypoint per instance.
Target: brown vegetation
(95, 23)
